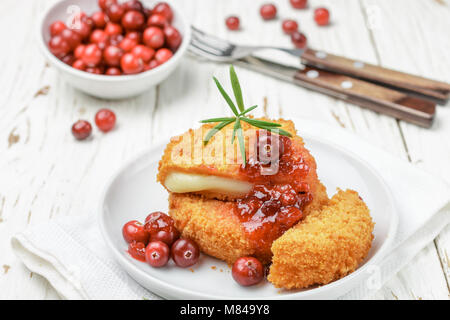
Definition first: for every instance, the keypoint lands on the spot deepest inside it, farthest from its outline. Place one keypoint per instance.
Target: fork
(220, 50)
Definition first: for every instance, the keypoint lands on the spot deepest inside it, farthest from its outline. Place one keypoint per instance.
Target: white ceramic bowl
(109, 87)
(133, 193)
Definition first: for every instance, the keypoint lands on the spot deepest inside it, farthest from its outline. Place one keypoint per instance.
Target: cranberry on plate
(299, 40)
(164, 9)
(81, 129)
(137, 250)
(268, 11)
(105, 120)
(290, 26)
(322, 16)
(248, 271)
(299, 4)
(232, 23)
(157, 221)
(157, 254)
(185, 253)
(134, 231)
(168, 237)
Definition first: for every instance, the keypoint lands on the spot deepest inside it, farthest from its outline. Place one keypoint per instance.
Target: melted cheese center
(190, 182)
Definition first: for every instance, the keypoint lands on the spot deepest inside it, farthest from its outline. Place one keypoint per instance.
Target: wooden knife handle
(372, 96)
(363, 70)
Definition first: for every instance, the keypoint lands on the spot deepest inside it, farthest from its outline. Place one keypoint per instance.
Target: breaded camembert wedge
(329, 244)
(216, 170)
(218, 230)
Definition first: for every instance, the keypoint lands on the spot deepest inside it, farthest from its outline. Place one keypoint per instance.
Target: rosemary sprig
(239, 115)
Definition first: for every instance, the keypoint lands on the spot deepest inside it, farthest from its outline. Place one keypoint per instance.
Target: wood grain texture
(45, 173)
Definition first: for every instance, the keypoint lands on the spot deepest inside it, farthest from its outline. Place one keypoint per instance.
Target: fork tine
(208, 45)
(206, 48)
(211, 40)
(201, 51)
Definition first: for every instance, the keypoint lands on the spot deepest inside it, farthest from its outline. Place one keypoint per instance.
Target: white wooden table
(45, 173)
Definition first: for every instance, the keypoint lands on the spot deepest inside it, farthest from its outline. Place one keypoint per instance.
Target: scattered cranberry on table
(81, 129)
(232, 23)
(104, 39)
(290, 26)
(105, 120)
(134, 231)
(299, 4)
(157, 254)
(247, 271)
(322, 16)
(299, 40)
(268, 11)
(185, 253)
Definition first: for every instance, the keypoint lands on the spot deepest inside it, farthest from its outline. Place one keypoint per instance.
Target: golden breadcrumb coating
(216, 228)
(326, 246)
(187, 154)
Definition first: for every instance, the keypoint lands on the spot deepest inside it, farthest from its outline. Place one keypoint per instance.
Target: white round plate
(133, 193)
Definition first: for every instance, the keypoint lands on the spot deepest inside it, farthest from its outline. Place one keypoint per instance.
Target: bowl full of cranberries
(114, 49)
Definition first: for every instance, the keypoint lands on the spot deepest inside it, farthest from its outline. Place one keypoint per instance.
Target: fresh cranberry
(143, 52)
(104, 4)
(115, 39)
(99, 37)
(133, 20)
(68, 59)
(299, 40)
(113, 29)
(163, 55)
(153, 37)
(79, 51)
(85, 30)
(58, 46)
(100, 19)
(164, 9)
(173, 37)
(73, 38)
(232, 23)
(157, 254)
(152, 64)
(268, 11)
(113, 72)
(127, 44)
(137, 250)
(112, 56)
(57, 27)
(105, 120)
(157, 20)
(79, 65)
(290, 26)
(131, 64)
(81, 129)
(157, 221)
(299, 4)
(134, 231)
(185, 253)
(168, 237)
(247, 271)
(115, 12)
(133, 5)
(94, 70)
(134, 35)
(92, 55)
(322, 16)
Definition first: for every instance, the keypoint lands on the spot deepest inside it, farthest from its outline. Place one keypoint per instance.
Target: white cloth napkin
(71, 255)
